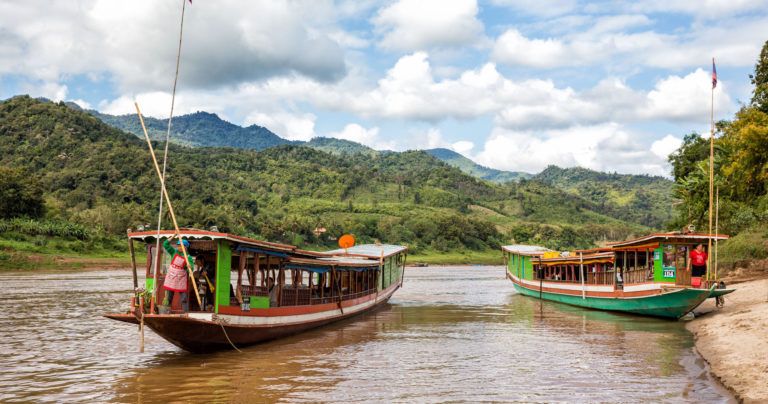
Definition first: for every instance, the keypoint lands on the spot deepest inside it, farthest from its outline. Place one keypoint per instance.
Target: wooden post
(133, 262)
(168, 202)
(581, 273)
(240, 269)
(635, 268)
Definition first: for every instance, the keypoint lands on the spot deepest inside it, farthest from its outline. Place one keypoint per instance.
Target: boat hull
(671, 304)
(720, 292)
(208, 332)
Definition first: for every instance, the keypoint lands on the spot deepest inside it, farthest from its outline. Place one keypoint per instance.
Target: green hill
(642, 199)
(198, 129)
(470, 167)
(99, 178)
(339, 146)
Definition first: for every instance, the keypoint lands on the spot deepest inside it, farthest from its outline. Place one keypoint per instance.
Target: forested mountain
(198, 129)
(641, 199)
(474, 169)
(339, 146)
(100, 177)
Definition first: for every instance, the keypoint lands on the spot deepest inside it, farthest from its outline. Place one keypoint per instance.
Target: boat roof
(369, 250)
(362, 251)
(671, 237)
(523, 249)
(194, 234)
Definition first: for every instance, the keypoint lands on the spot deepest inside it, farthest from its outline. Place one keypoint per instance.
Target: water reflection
(451, 334)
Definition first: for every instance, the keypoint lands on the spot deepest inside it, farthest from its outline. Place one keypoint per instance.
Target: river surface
(457, 334)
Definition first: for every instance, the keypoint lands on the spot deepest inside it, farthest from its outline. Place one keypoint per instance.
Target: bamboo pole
(168, 202)
(717, 214)
(133, 263)
(711, 174)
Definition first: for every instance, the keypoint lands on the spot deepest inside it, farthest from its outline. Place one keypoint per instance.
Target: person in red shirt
(698, 261)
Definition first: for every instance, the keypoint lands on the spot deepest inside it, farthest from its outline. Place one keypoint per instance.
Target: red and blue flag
(714, 74)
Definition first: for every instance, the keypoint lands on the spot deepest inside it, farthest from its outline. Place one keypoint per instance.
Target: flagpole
(711, 168)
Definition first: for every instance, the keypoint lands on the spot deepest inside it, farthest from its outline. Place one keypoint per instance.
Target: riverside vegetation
(70, 185)
(73, 169)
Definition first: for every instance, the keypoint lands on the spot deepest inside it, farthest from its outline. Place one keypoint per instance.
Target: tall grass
(51, 228)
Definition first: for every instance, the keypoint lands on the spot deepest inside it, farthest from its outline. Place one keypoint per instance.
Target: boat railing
(641, 275)
(301, 296)
(600, 277)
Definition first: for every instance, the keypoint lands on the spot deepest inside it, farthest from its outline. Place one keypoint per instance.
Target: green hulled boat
(647, 276)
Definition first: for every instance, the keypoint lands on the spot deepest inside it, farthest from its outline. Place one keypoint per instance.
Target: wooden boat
(646, 276)
(311, 289)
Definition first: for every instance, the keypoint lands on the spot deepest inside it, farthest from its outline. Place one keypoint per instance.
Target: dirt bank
(734, 339)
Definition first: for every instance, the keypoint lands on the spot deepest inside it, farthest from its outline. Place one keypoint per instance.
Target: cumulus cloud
(410, 25)
(135, 42)
(463, 147)
(291, 126)
(619, 41)
(666, 146)
(605, 147)
(367, 136)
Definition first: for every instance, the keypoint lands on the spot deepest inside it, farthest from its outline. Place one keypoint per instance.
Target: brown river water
(452, 334)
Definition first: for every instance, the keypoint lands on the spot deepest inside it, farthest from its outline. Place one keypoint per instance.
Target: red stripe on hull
(200, 336)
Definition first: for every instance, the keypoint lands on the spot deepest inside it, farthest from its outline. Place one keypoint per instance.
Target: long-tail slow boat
(257, 290)
(647, 276)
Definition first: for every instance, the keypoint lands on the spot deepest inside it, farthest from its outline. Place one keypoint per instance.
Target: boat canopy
(193, 234)
(359, 255)
(529, 250)
(653, 240)
(363, 250)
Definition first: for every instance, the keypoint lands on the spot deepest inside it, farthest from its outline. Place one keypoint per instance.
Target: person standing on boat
(176, 279)
(698, 261)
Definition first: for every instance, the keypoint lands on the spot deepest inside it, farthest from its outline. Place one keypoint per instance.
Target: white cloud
(287, 125)
(702, 8)
(135, 42)
(82, 104)
(514, 49)
(410, 25)
(155, 104)
(51, 90)
(367, 136)
(604, 147)
(685, 98)
(463, 147)
(614, 41)
(666, 146)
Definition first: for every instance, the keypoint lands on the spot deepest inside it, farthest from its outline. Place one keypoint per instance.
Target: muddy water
(451, 334)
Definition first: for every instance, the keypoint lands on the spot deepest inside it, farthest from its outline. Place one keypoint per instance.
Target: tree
(19, 195)
(760, 81)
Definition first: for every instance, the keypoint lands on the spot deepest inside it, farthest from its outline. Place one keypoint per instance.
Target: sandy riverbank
(734, 339)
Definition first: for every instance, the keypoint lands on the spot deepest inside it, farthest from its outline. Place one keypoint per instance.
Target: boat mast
(711, 168)
(165, 160)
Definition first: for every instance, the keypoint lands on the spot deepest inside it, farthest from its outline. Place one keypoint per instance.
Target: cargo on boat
(252, 291)
(648, 276)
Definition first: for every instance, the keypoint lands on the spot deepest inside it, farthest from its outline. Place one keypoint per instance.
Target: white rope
(165, 153)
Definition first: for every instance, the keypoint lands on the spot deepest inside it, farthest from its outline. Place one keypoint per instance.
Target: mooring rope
(225, 334)
(165, 153)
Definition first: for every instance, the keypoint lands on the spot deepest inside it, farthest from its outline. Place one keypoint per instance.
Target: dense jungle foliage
(740, 166)
(93, 175)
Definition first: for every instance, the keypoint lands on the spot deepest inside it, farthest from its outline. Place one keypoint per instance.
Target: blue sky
(512, 84)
